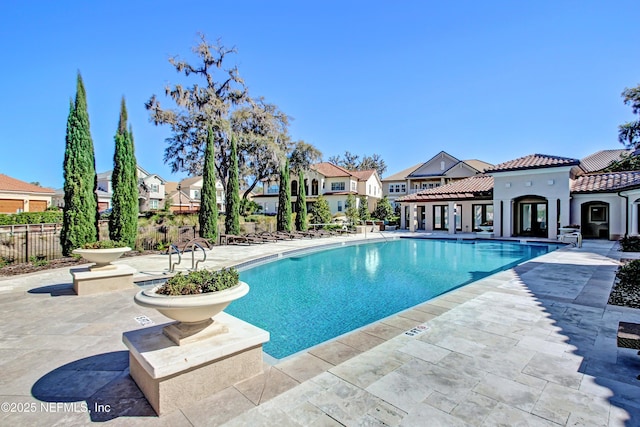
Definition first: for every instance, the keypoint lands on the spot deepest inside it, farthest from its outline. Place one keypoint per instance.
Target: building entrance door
(533, 219)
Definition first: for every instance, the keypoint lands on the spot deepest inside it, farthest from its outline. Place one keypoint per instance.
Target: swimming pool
(308, 299)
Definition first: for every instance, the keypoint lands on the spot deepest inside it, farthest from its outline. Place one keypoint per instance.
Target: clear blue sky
(492, 80)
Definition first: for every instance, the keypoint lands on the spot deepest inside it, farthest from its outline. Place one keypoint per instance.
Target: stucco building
(333, 182)
(535, 196)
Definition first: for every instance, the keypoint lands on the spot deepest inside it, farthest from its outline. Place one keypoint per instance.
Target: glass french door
(533, 219)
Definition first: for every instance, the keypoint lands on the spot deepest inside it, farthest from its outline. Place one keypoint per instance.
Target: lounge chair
(259, 238)
(286, 235)
(275, 236)
(232, 239)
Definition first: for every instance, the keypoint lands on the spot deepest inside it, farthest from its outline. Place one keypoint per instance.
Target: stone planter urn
(486, 228)
(210, 355)
(193, 313)
(102, 257)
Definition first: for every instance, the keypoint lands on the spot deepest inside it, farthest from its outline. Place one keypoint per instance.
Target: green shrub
(104, 244)
(630, 244)
(200, 281)
(38, 261)
(46, 217)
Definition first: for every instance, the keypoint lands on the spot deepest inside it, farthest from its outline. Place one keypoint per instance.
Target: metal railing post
(26, 245)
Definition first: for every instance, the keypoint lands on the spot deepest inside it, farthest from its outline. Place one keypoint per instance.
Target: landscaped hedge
(626, 292)
(630, 244)
(47, 217)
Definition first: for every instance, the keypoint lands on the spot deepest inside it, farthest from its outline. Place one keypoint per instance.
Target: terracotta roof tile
(15, 185)
(613, 181)
(468, 188)
(330, 170)
(601, 159)
(363, 175)
(533, 161)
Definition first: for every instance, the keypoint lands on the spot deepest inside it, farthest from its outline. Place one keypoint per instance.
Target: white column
(452, 217)
(403, 222)
(552, 218)
(497, 218)
(565, 212)
(633, 217)
(413, 217)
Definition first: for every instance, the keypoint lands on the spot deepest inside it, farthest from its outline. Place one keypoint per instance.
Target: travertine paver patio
(534, 345)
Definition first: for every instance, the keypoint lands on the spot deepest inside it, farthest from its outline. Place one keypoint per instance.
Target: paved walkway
(534, 345)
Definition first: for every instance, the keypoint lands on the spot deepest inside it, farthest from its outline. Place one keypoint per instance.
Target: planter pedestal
(184, 333)
(88, 281)
(172, 376)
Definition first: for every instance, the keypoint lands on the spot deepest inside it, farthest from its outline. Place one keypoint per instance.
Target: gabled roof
(187, 182)
(402, 175)
(330, 170)
(442, 154)
(170, 187)
(162, 180)
(414, 171)
(16, 186)
(176, 197)
(477, 186)
(478, 165)
(533, 161)
(601, 159)
(606, 182)
(106, 176)
(363, 175)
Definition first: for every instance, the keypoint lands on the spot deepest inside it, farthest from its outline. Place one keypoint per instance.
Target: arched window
(314, 187)
(294, 188)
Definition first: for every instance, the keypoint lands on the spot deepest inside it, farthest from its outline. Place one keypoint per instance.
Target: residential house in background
(441, 169)
(151, 191)
(533, 196)
(186, 194)
(18, 196)
(333, 182)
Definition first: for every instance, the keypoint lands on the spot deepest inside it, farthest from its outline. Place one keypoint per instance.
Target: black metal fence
(29, 243)
(41, 242)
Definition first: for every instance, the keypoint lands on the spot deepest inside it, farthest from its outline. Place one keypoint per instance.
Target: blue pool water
(305, 300)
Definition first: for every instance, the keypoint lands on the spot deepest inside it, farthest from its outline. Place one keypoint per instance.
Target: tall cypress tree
(363, 209)
(232, 220)
(284, 199)
(301, 217)
(80, 213)
(123, 222)
(208, 215)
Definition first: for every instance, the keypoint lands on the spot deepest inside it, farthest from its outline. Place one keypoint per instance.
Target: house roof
(473, 187)
(533, 161)
(104, 176)
(176, 197)
(605, 182)
(170, 187)
(478, 165)
(475, 164)
(15, 185)
(419, 171)
(363, 175)
(402, 175)
(330, 170)
(187, 182)
(601, 159)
